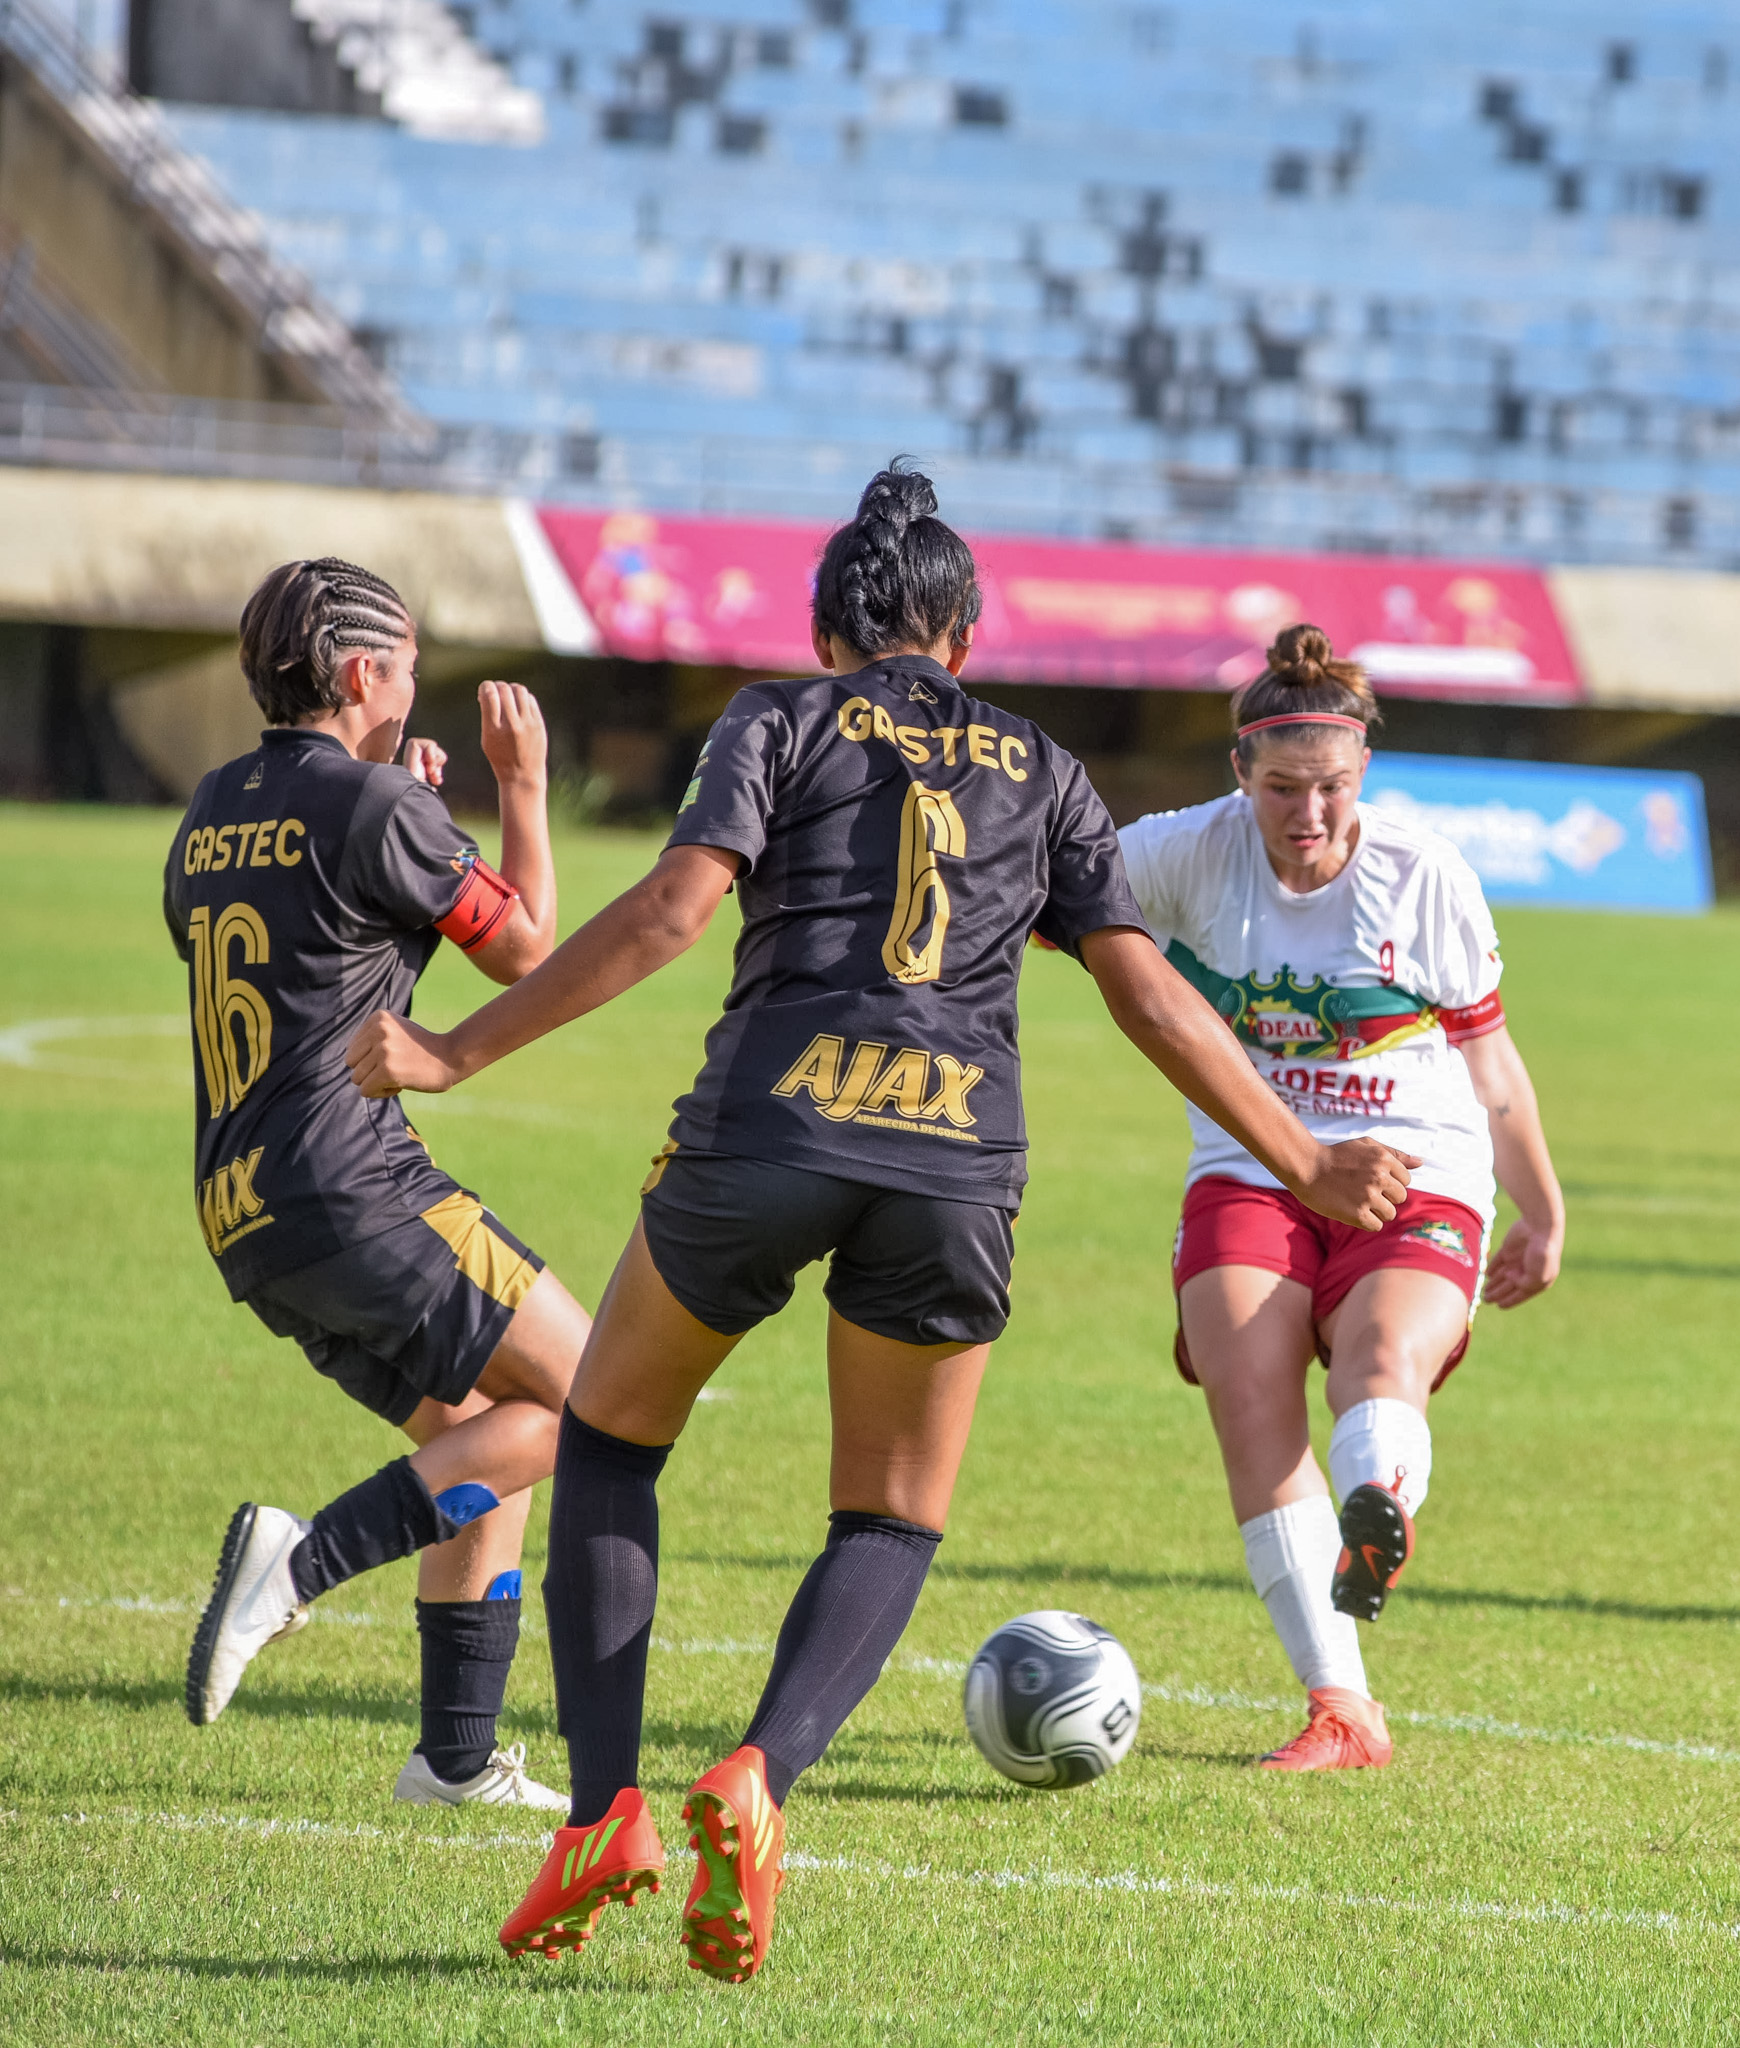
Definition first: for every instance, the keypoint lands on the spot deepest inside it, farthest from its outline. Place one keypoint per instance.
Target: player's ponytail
(896, 578)
(300, 624)
(1303, 693)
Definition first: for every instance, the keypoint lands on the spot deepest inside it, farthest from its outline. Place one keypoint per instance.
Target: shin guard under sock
(1383, 1443)
(388, 1516)
(600, 1588)
(839, 1631)
(468, 1648)
(1291, 1552)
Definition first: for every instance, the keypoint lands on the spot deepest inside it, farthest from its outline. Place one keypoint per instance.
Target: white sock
(1382, 1443)
(1291, 1552)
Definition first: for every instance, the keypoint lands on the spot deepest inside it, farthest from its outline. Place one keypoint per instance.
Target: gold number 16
(222, 1005)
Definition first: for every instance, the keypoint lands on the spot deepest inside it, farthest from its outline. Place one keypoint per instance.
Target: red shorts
(1227, 1223)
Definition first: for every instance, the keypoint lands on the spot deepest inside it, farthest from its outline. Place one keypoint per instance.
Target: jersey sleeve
(172, 909)
(414, 876)
(1089, 889)
(1157, 852)
(1463, 964)
(729, 800)
(175, 905)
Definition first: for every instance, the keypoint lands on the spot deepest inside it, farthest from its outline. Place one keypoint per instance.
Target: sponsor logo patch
(1444, 1238)
(927, 1092)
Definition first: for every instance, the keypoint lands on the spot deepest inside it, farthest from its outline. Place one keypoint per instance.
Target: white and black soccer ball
(1053, 1699)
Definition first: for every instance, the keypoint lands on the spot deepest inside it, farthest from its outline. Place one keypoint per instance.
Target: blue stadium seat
(1422, 278)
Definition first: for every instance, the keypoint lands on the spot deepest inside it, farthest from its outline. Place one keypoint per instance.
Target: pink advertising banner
(737, 592)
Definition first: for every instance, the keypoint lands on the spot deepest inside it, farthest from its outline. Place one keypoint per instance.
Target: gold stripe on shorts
(661, 1159)
(487, 1261)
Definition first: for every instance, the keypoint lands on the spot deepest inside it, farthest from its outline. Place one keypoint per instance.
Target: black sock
(468, 1646)
(600, 1588)
(839, 1631)
(388, 1516)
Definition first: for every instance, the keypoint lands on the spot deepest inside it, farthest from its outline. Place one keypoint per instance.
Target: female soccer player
(1354, 957)
(310, 884)
(893, 843)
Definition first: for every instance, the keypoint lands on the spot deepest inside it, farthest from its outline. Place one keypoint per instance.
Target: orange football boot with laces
(1377, 1539)
(617, 1858)
(1345, 1733)
(739, 1837)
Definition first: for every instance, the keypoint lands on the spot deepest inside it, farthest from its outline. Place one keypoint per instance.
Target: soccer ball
(1052, 1699)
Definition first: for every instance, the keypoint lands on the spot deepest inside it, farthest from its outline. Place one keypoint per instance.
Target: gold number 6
(930, 826)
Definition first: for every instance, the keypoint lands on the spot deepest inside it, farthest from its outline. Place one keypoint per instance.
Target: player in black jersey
(893, 844)
(308, 885)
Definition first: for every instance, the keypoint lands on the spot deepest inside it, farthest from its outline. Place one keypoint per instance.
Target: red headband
(1302, 718)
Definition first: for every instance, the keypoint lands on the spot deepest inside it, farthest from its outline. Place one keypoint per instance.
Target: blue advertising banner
(1579, 838)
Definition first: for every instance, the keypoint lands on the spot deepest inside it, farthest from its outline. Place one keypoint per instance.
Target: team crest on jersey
(258, 776)
(1444, 1238)
(1307, 1018)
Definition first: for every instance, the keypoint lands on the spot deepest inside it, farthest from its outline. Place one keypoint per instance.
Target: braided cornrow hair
(300, 624)
(896, 578)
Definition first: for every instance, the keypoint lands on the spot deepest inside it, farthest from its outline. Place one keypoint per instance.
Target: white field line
(1454, 1724)
(25, 1045)
(250, 1824)
(21, 1045)
(1129, 1883)
(1202, 1696)
(1550, 1912)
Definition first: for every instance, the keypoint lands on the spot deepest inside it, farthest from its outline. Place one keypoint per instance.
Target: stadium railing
(754, 478)
(277, 300)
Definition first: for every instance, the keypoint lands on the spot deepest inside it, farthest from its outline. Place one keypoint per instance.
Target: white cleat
(253, 1602)
(501, 1782)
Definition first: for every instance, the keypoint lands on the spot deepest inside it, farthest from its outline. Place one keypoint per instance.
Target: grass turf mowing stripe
(1549, 1912)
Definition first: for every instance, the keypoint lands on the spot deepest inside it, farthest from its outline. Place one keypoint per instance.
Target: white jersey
(1349, 1000)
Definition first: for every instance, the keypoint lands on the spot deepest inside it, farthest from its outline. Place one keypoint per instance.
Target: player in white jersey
(1353, 954)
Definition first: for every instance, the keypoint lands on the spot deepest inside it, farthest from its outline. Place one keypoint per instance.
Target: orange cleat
(739, 1836)
(1345, 1733)
(616, 1858)
(1377, 1539)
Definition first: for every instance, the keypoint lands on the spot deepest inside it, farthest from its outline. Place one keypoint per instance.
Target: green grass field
(1554, 1856)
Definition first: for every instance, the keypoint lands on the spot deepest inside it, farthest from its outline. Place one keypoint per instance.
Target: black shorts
(729, 1235)
(412, 1314)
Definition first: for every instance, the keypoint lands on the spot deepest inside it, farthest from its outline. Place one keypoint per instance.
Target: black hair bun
(896, 578)
(898, 496)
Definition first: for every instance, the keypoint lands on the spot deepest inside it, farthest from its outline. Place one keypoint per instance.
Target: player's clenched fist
(390, 1053)
(514, 740)
(1359, 1181)
(426, 760)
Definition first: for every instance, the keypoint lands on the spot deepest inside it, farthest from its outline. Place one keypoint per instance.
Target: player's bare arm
(641, 931)
(516, 746)
(1359, 1181)
(1527, 1262)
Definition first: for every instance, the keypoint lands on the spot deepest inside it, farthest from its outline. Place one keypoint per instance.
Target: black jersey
(302, 890)
(901, 841)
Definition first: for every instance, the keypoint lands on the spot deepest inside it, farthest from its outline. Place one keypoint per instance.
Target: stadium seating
(1454, 277)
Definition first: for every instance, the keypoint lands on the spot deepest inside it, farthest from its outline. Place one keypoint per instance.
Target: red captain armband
(1474, 1022)
(484, 900)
